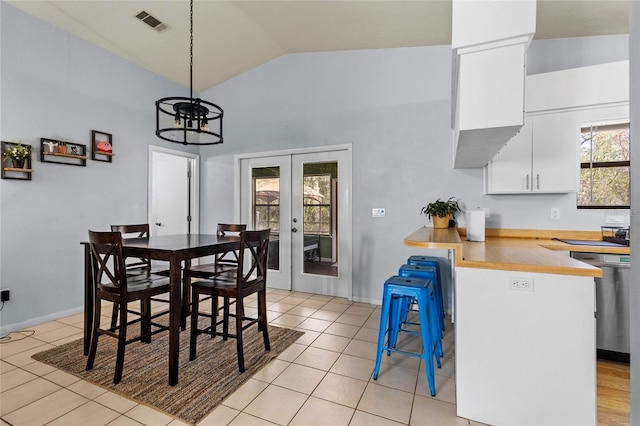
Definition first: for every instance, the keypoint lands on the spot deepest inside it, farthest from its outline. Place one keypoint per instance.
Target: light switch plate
(378, 212)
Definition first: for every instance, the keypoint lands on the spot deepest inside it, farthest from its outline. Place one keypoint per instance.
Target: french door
(305, 198)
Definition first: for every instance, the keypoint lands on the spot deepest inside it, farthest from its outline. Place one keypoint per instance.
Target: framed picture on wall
(101, 146)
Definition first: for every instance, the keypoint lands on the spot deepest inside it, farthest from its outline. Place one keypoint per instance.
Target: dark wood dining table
(178, 250)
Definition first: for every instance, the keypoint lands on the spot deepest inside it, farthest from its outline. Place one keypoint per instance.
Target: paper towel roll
(475, 229)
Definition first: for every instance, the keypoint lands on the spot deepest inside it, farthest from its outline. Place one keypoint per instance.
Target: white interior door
(300, 196)
(173, 192)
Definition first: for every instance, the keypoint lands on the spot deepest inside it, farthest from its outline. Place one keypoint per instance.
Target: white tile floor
(322, 379)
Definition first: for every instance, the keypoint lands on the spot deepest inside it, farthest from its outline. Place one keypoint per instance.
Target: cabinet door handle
(537, 181)
(527, 183)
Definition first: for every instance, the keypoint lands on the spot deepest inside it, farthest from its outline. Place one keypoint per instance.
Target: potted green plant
(441, 211)
(18, 154)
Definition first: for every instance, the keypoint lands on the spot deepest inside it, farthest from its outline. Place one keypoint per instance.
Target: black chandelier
(195, 121)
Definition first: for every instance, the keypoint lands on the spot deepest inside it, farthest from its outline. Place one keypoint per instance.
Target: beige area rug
(203, 383)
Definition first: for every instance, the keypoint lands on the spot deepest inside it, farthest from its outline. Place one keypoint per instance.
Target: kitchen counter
(515, 249)
(541, 337)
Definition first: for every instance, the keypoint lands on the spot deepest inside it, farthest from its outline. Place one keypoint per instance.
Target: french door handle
(158, 223)
(294, 229)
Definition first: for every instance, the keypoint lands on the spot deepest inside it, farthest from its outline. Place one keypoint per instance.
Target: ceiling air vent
(152, 21)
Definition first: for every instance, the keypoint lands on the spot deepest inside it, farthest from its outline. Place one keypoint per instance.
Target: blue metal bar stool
(432, 261)
(426, 273)
(396, 288)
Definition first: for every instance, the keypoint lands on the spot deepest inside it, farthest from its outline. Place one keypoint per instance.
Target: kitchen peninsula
(524, 325)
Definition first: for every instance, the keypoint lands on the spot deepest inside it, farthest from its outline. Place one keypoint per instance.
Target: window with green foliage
(604, 167)
(266, 202)
(317, 204)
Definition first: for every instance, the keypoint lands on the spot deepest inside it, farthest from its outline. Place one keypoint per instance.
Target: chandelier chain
(191, 52)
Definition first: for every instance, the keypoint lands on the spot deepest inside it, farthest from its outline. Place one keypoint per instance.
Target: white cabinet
(489, 102)
(553, 321)
(541, 158)
(489, 43)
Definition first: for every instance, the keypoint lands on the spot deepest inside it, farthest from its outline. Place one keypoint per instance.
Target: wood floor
(613, 393)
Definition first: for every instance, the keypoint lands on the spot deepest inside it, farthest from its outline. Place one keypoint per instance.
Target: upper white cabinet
(489, 41)
(584, 87)
(541, 158)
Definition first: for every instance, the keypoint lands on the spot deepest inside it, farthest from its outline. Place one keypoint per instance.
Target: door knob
(158, 223)
(295, 220)
(294, 229)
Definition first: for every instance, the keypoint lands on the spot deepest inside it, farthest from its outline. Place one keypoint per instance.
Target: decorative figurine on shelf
(103, 146)
(74, 150)
(51, 146)
(18, 155)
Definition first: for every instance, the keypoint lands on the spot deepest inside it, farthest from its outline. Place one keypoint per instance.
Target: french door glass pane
(319, 224)
(266, 208)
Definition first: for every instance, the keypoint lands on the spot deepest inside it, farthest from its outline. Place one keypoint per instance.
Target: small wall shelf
(17, 173)
(74, 155)
(101, 146)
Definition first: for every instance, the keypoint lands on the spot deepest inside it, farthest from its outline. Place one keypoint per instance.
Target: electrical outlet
(555, 213)
(616, 219)
(378, 212)
(522, 284)
(4, 295)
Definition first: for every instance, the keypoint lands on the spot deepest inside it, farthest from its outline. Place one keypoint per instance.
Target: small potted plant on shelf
(441, 211)
(18, 154)
(62, 147)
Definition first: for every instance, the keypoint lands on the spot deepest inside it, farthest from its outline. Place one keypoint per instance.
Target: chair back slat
(255, 246)
(229, 257)
(135, 231)
(107, 259)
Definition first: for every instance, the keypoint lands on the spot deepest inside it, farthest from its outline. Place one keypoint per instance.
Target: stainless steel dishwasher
(612, 304)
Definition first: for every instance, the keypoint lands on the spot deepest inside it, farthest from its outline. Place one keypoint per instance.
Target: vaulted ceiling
(232, 37)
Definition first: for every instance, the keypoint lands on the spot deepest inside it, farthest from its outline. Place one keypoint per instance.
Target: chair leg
(145, 320)
(93, 348)
(239, 315)
(225, 319)
(427, 344)
(195, 306)
(186, 293)
(214, 315)
(114, 315)
(262, 316)
(384, 321)
(122, 338)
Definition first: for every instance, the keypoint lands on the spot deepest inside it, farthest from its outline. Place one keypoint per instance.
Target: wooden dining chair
(222, 262)
(112, 282)
(135, 266)
(249, 277)
(138, 264)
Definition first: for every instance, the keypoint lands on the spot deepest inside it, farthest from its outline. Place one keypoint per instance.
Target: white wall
(393, 106)
(57, 86)
(574, 52)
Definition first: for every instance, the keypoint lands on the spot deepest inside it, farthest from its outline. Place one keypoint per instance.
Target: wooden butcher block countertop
(530, 250)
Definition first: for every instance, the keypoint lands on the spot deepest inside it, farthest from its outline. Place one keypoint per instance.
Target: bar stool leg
(427, 346)
(384, 321)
